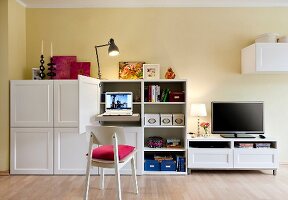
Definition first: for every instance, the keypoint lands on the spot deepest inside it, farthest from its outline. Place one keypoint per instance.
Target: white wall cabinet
(265, 58)
(31, 103)
(31, 151)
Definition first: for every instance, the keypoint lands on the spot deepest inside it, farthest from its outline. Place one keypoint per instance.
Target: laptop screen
(116, 101)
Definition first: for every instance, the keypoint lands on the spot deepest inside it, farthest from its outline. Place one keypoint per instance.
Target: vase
(206, 132)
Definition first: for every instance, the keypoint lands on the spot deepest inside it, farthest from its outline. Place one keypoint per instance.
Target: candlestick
(51, 69)
(42, 48)
(42, 68)
(51, 50)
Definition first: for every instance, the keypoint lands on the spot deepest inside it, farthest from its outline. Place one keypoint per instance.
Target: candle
(51, 50)
(42, 48)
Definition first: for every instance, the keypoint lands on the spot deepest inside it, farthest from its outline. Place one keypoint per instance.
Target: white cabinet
(65, 103)
(70, 149)
(223, 153)
(31, 103)
(31, 151)
(265, 58)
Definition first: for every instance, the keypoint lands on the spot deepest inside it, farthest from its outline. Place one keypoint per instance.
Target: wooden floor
(199, 185)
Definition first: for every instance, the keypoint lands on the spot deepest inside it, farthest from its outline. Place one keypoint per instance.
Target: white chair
(103, 158)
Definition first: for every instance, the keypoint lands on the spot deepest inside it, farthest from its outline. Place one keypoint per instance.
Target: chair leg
(117, 174)
(87, 181)
(134, 174)
(101, 183)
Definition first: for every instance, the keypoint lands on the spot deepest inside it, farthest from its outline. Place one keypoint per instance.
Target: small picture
(151, 71)
(131, 70)
(36, 74)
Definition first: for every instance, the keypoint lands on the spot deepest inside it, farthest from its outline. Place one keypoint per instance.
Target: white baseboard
(283, 163)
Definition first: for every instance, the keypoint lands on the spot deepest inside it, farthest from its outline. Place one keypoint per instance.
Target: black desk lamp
(112, 51)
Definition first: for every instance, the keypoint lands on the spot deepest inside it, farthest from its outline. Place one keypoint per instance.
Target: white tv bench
(215, 152)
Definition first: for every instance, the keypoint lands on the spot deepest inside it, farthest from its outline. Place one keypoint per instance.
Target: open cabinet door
(89, 101)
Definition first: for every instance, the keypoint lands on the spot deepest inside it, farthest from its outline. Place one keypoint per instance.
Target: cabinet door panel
(70, 150)
(31, 151)
(89, 101)
(133, 137)
(66, 103)
(31, 103)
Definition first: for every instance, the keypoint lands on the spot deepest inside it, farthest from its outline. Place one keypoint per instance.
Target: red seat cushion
(106, 152)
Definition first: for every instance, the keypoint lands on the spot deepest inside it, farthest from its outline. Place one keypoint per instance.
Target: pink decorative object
(79, 68)
(106, 152)
(63, 64)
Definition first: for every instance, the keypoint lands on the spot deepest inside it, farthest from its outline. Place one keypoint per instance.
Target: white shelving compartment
(164, 131)
(215, 152)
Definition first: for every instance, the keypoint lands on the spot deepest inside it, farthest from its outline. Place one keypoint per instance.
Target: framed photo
(36, 74)
(131, 70)
(151, 71)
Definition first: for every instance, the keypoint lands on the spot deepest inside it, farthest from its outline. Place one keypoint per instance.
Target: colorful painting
(79, 68)
(131, 70)
(63, 65)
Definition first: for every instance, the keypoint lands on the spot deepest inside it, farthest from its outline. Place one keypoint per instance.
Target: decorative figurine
(170, 74)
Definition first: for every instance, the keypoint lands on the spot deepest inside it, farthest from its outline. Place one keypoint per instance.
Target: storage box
(168, 165)
(166, 119)
(176, 97)
(152, 119)
(151, 165)
(178, 120)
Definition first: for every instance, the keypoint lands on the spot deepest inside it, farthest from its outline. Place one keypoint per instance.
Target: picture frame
(131, 70)
(151, 71)
(36, 74)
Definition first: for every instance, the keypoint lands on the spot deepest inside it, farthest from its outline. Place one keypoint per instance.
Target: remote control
(262, 136)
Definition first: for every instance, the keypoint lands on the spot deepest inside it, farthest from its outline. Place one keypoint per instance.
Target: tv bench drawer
(210, 158)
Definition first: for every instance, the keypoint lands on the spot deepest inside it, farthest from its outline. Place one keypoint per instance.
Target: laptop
(118, 103)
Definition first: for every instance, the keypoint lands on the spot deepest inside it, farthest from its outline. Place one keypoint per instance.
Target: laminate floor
(199, 185)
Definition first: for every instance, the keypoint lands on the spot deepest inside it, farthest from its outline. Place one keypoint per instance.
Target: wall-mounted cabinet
(265, 58)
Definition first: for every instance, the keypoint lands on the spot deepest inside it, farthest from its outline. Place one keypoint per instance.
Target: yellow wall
(4, 125)
(12, 65)
(202, 44)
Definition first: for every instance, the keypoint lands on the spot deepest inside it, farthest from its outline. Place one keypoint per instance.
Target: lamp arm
(104, 45)
(99, 71)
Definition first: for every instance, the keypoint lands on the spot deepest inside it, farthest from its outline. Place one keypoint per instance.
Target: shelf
(164, 103)
(164, 172)
(164, 126)
(130, 118)
(164, 149)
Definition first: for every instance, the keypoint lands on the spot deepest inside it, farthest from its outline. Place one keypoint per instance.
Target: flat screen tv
(237, 119)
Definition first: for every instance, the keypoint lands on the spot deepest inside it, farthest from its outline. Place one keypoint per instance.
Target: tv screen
(237, 117)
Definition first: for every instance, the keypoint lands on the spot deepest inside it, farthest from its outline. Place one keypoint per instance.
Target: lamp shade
(113, 49)
(198, 110)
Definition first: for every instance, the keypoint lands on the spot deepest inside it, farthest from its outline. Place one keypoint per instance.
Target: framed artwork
(79, 68)
(63, 65)
(131, 70)
(151, 71)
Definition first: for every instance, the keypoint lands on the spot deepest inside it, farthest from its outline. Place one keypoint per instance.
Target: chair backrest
(103, 135)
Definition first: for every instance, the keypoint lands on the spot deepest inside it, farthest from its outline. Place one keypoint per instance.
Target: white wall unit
(31, 103)
(215, 152)
(265, 58)
(31, 151)
(70, 149)
(66, 103)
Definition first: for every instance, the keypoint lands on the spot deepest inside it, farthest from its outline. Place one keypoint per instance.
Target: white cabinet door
(89, 101)
(70, 149)
(256, 158)
(66, 103)
(210, 158)
(133, 137)
(31, 103)
(31, 151)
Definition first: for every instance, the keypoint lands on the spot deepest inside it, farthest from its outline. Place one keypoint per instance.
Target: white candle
(51, 50)
(42, 48)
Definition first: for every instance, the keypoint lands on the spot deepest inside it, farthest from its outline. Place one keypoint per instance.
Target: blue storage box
(151, 165)
(168, 165)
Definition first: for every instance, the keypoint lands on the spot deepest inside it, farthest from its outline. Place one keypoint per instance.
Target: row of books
(153, 93)
(253, 145)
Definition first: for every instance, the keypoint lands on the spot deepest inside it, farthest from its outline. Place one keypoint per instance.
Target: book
(79, 68)
(63, 65)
